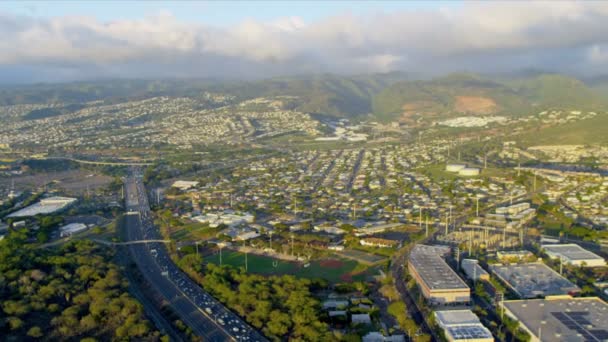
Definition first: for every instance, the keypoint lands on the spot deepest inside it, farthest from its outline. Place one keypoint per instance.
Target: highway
(207, 317)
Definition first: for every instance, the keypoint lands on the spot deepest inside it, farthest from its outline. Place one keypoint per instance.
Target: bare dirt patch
(475, 104)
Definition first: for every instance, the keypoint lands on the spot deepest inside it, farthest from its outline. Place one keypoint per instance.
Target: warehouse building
(462, 325)
(533, 280)
(438, 283)
(473, 271)
(573, 254)
(561, 318)
(45, 206)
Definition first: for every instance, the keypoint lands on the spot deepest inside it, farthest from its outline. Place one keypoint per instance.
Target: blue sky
(217, 13)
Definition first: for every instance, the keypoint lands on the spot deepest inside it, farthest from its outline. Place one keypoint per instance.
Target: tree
(35, 332)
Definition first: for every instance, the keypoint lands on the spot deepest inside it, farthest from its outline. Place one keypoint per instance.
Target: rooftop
(562, 318)
(434, 271)
(533, 280)
(462, 325)
(45, 206)
(571, 251)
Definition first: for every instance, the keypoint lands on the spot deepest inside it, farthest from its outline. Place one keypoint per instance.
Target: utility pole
(270, 240)
(420, 218)
(446, 224)
(457, 258)
(427, 225)
(470, 242)
(450, 220)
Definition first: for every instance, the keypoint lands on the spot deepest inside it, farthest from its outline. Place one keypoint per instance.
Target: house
(377, 242)
(361, 319)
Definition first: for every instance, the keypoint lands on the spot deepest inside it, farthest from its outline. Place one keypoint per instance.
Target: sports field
(333, 270)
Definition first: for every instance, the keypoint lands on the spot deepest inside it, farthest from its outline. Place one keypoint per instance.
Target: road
(207, 317)
(398, 262)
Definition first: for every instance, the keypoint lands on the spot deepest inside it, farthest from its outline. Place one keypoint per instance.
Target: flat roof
(462, 325)
(449, 317)
(44, 206)
(472, 269)
(572, 251)
(533, 279)
(434, 271)
(562, 318)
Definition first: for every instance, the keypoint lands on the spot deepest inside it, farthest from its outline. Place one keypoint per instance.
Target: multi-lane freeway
(207, 317)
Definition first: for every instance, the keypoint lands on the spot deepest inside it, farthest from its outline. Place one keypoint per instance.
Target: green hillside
(592, 131)
(473, 94)
(553, 90)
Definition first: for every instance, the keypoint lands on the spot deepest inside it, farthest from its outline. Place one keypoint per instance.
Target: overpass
(95, 162)
(110, 243)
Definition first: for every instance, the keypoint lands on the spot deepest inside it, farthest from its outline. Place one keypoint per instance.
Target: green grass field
(333, 270)
(592, 131)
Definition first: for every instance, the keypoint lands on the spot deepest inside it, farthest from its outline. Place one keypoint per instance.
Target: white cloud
(486, 32)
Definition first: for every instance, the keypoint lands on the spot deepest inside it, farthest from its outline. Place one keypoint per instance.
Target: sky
(85, 40)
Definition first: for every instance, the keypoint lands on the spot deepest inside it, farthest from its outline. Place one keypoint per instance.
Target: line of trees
(282, 307)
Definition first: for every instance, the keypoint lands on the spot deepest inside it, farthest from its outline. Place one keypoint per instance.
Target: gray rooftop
(533, 280)
(562, 318)
(571, 251)
(434, 271)
(462, 325)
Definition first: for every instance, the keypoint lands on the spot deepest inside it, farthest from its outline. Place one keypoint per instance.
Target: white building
(45, 206)
(462, 325)
(71, 228)
(469, 171)
(454, 167)
(573, 254)
(184, 185)
(361, 319)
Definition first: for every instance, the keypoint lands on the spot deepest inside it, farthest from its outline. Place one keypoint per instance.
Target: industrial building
(473, 271)
(462, 325)
(561, 318)
(45, 206)
(438, 283)
(573, 254)
(533, 280)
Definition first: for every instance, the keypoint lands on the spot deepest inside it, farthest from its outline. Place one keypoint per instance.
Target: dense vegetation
(518, 96)
(71, 293)
(339, 96)
(324, 94)
(278, 306)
